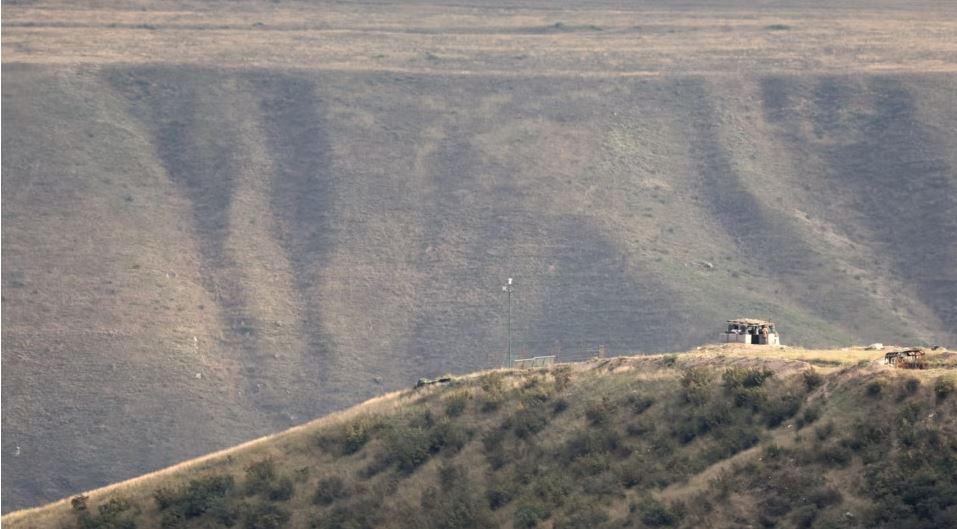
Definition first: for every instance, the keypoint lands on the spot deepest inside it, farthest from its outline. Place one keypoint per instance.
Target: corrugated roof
(750, 321)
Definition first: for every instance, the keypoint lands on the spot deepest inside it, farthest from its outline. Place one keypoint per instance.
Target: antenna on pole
(507, 288)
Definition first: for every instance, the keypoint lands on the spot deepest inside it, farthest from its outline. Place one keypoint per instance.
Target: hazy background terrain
(222, 219)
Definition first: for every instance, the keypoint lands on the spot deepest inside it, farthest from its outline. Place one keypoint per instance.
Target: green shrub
(810, 415)
(745, 386)
(530, 419)
(528, 516)
(356, 436)
(638, 404)
(456, 404)
(804, 516)
(733, 440)
(599, 413)
(559, 405)
(260, 476)
(114, 514)
(812, 379)
(918, 491)
(689, 424)
(172, 520)
(554, 486)
(823, 496)
(669, 360)
(448, 436)
(365, 513)
(909, 414)
(262, 479)
(834, 455)
(493, 389)
(224, 510)
(640, 428)
(583, 517)
(752, 377)
(911, 385)
(632, 471)
(655, 514)
(114, 507)
(492, 443)
(864, 434)
(592, 464)
(193, 499)
(79, 503)
(328, 490)
(408, 447)
(773, 451)
(694, 383)
(499, 494)
(490, 405)
(350, 437)
(281, 490)
(563, 377)
(776, 411)
(943, 387)
(591, 441)
(824, 431)
(600, 485)
(874, 389)
(451, 505)
(265, 516)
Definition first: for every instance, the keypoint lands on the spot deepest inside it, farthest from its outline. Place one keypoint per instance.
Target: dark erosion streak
(764, 238)
(903, 186)
(303, 195)
(454, 167)
(761, 235)
(201, 165)
(596, 299)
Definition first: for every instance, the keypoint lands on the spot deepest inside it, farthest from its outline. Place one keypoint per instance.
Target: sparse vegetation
(114, 514)
(265, 516)
(263, 479)
(812, 379)
(193, 499)
(232, 162)
(456, 404)
(943, 387)
(329, 490)
(655, 514)
(351, 437)
(625, 448)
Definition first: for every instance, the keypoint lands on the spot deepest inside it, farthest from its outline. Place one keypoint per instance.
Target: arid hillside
(721, 437)
(222, 220)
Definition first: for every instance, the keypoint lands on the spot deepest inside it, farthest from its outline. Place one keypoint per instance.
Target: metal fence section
(538, 361)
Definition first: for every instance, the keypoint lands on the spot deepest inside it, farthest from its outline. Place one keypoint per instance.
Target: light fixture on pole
(508, 323)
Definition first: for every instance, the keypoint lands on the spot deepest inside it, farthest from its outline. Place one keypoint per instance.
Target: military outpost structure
(906, 359)
(751, 332)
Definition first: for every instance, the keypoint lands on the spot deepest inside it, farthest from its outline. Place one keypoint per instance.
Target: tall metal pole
(508, 328)
(508, 323)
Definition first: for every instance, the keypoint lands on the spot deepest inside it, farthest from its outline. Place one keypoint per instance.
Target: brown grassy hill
(720, 437)
(218, 224)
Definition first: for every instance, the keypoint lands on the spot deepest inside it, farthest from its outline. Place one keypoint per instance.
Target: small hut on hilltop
(751, 332)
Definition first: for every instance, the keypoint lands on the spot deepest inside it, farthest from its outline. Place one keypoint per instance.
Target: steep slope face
(716, 438)
(200, 248)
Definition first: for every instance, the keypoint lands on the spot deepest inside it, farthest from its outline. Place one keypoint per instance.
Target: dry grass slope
(721, 437)
(217, 225)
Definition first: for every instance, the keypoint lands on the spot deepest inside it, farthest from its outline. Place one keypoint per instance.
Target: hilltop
(718, 437)
(223, 219)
